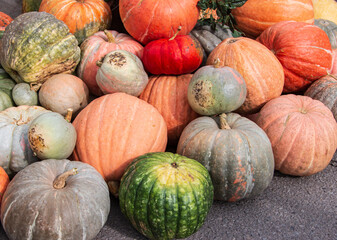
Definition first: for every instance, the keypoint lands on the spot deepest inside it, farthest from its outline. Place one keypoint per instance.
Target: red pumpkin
(303, 49)
(149, 20)
(95, 47)
(4, 19)
(4, 180)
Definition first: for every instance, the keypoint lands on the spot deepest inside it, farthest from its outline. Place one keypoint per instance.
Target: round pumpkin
(94, 48)
(5, 19)
(303, 49)
(55, 199)
(5, 101)
(23, 94)
(64, 91)
(165, 195)
(84, 18)
(325, 9)
(30, 5)
(257, 15)
(168, 94)
(258, 66)
(115, 129)
(235, 151)
(302, 131)
(161, 20)
(4, 180)
(33, 58)
(329, 28)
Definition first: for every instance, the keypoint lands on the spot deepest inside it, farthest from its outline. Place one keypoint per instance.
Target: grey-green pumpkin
(5, 101)
(23, 94)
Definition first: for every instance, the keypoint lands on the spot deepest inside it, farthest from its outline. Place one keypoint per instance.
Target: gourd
(23, 95)
(6, 83)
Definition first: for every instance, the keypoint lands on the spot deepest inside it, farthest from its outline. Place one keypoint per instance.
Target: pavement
(290, 208)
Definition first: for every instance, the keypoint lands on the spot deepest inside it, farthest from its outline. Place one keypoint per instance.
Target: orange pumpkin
(116, 128)
(4, 180)
(5, 19)
(302, 131)
(83, 18)
(169, 95)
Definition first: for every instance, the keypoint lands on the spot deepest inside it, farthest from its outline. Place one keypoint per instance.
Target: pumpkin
(75, 201)
(257, 15)
(5, 19)
(84, 18)
(235, 151)
(33, 58)
(50, 135)
(168, 94)
(23, 95)
(6, 83)
(325, 90)
(258, 66)
(329, 28)
(115, 129)
(302, 131)
(30, 5)
(64, 91)
(334, 62)
(94, 48)
(15, 152)
(5, 101)
(4, 180)
(325, 9)
(121, 71)
(178, 55)
(214, 90)
(165, 195)
(161, 20)
(303, 49)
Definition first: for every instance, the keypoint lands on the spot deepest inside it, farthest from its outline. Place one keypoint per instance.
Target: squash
(94, 48)
(84, 18)
(302, 131)
(75, 199)
(36, 46)
(4, 180)
(23, 94)
(5, 19)
(30, 5)
(235, 151)
(303, 49)
(329, 28)
(325, 9)
(115, 129)
(6, 83)
(5, 101)
(165, 195)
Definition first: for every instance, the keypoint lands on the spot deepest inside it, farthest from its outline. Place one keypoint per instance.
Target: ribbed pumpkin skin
(302, 131)
(77, 211)
(4, 180)
(161, 20)
(30, 5)
(303, 49)
(259, 68)
(5, 19)
(115, 129)
(330, 28)
(36, 46)
(165, 195)
(325, 90)
(84, 18)
(240, 159)
(94, 48)
(168, 94)
(257, 15)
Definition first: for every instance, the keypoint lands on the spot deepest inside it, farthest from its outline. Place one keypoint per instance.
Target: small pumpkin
(30, 5)
(23, 94)
(4, 180)
(5, 101)
(75, 199)
(165, 195)
(329, 28)
(5, 19)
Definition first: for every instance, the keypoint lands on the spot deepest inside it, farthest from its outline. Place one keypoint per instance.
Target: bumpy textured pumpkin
(257, 15)
(36, 46)
(121, 71)
(161, 20)
(23, 95)
(259, 68)
(75, 201)
(94, 48)
(235, 151)
(5, 101)
(5, 19)
(303, 49)
(330, 28)
(302, 131)
(325, 9)
(30, 5)
(168, 94)
(4, 180)
(64, 91)
(165, 195)
(15, 152)
(325, 90)
(115, 129)
(84, 18)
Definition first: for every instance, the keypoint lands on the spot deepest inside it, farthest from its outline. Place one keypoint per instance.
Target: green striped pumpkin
(166, 195)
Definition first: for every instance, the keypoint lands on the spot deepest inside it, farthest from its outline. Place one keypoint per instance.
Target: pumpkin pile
(193, 101)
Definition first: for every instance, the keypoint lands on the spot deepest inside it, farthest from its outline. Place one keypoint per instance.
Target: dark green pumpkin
(236, 152)
(330, 28)
(30, 5)
(165, 195)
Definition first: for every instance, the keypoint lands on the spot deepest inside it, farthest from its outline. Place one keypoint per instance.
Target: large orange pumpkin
(257, 15)
(258, 66)
(116, 128)
(169, 95)
(4, 180)
(302, 131)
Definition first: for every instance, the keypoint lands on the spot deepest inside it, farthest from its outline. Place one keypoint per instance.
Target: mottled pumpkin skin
(330, 28)
(30, 5)
(5, 19)
(23, 95)
(36, 46)
(4, 180)
(165, 195)
(33, 209)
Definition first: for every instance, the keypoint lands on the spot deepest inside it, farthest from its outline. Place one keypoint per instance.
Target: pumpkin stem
(35, 86)
(99, 63)
(114, 188)
(69, 115)
(60, 180)
(223, 121)
(111, 38)
(217, 63)
(174, 36)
